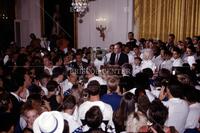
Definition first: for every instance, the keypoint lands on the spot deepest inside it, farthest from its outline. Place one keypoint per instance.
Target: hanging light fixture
(80, 6)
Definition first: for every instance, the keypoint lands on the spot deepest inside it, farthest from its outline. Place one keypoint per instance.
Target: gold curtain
(157, 18)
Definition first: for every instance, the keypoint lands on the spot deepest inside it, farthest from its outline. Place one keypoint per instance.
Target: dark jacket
(123, 58)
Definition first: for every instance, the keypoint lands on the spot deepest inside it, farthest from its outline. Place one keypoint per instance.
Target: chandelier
(80, 6)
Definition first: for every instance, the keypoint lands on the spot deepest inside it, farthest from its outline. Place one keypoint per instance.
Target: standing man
(170, 43)
(118, 57)
(131, 38)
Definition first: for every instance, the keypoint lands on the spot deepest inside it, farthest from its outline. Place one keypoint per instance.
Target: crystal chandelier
(80, 6)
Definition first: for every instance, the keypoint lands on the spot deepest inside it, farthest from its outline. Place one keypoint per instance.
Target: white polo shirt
(73, 124)
(178, 112)
(106, 110)
(193, 116)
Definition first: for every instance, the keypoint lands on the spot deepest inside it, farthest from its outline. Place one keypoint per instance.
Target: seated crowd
(140, 86)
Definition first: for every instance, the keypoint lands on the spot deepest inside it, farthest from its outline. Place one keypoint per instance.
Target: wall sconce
(101, 26)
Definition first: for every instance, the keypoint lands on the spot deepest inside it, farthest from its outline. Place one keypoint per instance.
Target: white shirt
(19, 98)
(155, 91)
(136, 69)
(107, 57)
(190, 60)
(99, 63)
(148, 64)
(106, 110)
(132, 52)
(44, 89)
(167, 64)
(73, 124)
(66, 85)
(50, 70)
(178, 112)
(84, 60)
(193, 116)
(130, 58)
(158, 61)
(117, 56)
(22, 122)
(5, 59)
(133, 124)
(97, 78)
(177, 62)
(16, 96)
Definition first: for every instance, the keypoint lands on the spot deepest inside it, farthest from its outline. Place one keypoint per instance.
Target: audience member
(68, 107)
(112, 97)
(93, 120)
(94, 100)
(53, 98)
(86, 85)
(177, 107)
(127, 106)
(138, 118)
(118, 57)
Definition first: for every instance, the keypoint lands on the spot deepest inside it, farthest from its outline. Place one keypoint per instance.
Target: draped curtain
(157, 18)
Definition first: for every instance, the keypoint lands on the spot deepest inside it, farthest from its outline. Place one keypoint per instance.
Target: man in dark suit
(118, 57)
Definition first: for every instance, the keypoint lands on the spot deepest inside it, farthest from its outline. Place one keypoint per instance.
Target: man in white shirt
(130, 55)
(167, 63)
(137, 52)
(94, 100)
(69, 82)
(108, 55)
(178, 108)
(48, 65)
(92, 74)
(43, 82)
(159, 59)
(99, 61)
(68, 107)
(178, 62)
(190, 57)
(192, 96)
(142, 82)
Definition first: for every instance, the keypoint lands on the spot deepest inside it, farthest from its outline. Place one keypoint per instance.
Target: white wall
(119, 22)
(28, 14)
